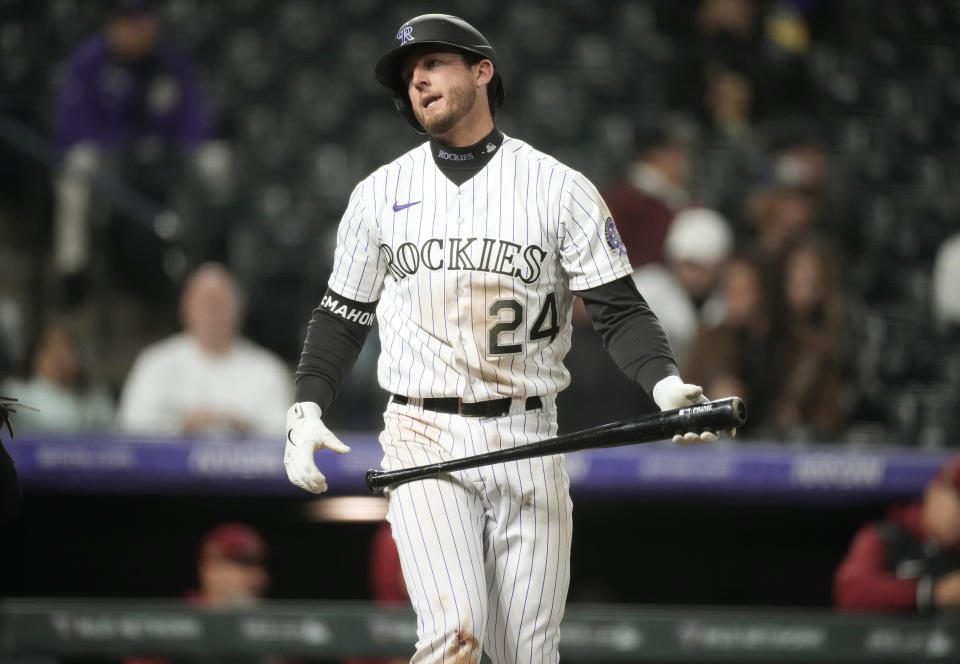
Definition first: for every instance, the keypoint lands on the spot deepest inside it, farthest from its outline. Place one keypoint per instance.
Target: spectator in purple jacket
(127, 98)
(124, 85)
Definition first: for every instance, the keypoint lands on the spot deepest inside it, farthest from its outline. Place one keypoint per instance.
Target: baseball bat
(716, 415)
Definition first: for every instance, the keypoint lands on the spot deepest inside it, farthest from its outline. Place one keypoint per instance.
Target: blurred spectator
(207, 379)
(946, 277)
(783, 214)
(735, 357)
(683, 292)
(129, 105)
(56, 384)
(231, 568)
(808, 405)
(911, 560)
(655, 188)
(232, 574)
(798, 157)
(744, 61)
(386, 576)
(799, 161)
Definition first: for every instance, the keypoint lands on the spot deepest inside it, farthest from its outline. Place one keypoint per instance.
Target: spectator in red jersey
(231, 569)
(386, 577)
(910, 561)
(654, 190)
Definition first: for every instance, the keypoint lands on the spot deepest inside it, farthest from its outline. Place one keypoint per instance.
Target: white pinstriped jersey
(474, 281)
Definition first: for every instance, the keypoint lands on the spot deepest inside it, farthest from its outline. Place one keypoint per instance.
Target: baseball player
(469, 250)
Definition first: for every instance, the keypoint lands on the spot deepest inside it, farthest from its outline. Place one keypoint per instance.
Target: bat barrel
(728, 413)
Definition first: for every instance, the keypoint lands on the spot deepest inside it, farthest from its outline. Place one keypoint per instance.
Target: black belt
(453, 405)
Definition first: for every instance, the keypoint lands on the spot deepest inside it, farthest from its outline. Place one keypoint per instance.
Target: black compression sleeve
(335, 336)
(630, 332)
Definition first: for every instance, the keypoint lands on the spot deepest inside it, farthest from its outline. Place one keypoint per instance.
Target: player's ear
(484, 73)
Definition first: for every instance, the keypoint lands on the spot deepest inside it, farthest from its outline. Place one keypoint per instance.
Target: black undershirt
(630, 332)
(461, 164)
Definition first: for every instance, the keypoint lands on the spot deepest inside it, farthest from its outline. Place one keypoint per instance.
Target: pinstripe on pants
(485, 552)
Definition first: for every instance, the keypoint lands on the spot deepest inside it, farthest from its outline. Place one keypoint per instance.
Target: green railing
(589, 633)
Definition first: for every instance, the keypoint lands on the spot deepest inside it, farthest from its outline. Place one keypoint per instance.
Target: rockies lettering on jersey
(474, 281)
(479, 254)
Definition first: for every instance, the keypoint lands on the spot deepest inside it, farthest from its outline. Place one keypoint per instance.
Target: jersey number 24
(545, 326)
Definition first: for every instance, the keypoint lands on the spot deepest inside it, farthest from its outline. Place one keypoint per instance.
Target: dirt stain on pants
(465, 649)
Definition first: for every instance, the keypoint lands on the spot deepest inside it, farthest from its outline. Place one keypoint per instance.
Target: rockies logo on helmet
(405, 34)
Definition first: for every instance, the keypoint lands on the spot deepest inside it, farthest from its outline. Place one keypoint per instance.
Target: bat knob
(373, 485)
(739, 411)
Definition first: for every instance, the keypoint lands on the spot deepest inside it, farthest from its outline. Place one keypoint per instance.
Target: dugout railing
(33, 629)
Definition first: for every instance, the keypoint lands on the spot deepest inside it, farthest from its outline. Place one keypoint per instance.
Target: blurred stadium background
(722, 554)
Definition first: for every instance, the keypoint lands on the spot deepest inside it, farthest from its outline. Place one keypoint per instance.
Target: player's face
(443, 90)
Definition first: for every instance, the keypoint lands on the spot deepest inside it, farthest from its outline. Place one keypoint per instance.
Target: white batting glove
(306, 433)
(671, 393)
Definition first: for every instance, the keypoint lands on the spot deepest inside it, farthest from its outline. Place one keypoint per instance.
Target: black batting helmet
(440, 30)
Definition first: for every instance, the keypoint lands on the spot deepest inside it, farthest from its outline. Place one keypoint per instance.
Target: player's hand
(671, 393)
(306, 433)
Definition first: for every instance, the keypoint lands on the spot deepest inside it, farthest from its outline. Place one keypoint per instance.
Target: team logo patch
(405, 34)
(613, 238)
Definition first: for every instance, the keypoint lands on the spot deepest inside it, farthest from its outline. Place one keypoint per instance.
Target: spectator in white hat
(682, 292)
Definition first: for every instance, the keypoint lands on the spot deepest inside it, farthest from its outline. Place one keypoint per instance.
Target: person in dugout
(911, 560)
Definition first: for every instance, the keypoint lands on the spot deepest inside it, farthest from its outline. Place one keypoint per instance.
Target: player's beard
(459, 101)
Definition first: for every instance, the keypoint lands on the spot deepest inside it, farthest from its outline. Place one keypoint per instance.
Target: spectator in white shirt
(207, 379)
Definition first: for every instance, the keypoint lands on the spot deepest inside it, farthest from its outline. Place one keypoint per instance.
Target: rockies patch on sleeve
(361, 313)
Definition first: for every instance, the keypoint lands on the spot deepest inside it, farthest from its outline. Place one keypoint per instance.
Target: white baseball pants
(485, 552)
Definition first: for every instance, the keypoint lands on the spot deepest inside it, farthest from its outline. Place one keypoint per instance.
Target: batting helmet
(440, 30)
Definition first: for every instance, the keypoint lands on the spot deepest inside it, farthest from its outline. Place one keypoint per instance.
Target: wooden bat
(716, 415)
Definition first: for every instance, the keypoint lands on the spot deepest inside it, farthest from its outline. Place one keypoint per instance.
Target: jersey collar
(469, 158)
